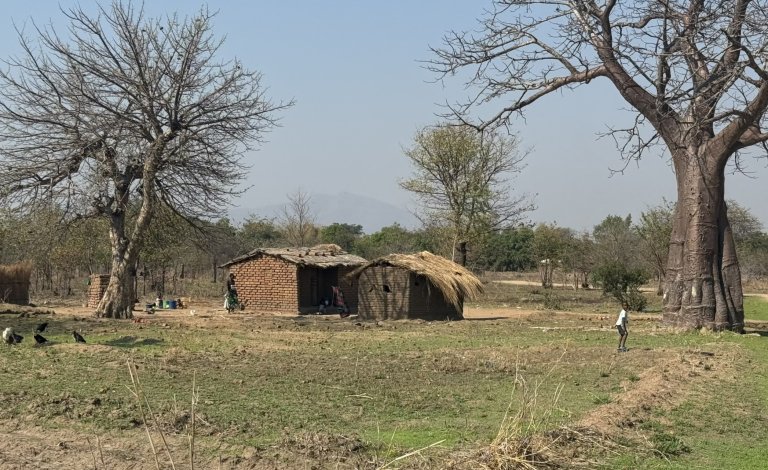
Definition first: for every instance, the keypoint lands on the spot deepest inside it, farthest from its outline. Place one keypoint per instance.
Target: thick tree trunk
(117, 301)
(703, 282)
(119, 298)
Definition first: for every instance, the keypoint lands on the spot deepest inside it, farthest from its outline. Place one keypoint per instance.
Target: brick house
(294, 279)
(420, 285)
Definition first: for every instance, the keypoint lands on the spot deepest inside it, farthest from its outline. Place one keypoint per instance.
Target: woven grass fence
(14, 283)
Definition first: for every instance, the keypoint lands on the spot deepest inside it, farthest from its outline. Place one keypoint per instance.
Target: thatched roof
(454, 281)
(320, 256)
(15, 273)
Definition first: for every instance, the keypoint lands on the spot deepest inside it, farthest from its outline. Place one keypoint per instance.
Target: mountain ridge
(344, 207)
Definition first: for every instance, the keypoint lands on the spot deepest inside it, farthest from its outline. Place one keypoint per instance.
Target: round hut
(414, 286)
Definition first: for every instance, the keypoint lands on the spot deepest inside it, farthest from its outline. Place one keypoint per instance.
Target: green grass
(398, 386)
(500, 294)
(755, 308)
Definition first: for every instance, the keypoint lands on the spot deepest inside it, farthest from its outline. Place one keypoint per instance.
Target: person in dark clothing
(230, 298)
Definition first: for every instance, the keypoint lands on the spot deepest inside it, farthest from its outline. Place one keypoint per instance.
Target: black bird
(17, 338)
(41, 327)
(78, 337)
(40, 339)
(8, 336)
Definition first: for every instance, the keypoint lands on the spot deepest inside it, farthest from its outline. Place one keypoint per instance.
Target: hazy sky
(361, 93)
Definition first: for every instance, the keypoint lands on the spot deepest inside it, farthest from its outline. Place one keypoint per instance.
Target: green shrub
(552, 301)
(621, 283)
(635, 300)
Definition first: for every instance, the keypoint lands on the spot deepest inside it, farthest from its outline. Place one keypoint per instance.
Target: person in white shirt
(621, 326)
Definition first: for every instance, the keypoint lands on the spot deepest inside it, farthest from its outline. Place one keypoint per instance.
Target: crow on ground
(41, 327)
(10, 337)
(78, 337)
(39, 339)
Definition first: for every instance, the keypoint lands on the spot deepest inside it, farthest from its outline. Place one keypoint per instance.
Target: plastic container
(172, 304)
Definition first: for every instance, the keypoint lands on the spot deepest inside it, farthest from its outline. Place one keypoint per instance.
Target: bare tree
(654, 229)
(123, 115)
(298, 220)
(693, 70)
(462, 177)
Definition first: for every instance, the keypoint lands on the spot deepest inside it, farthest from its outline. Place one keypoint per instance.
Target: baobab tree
(122, 115)
(695, 73)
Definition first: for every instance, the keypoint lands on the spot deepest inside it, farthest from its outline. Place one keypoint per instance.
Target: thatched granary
(294, 279)
(419, 285)
(14, 283)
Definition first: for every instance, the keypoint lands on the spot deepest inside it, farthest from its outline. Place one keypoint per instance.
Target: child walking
(621, 326)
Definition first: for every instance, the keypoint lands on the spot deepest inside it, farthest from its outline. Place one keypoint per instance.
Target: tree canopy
(461, 179)
(127, 111)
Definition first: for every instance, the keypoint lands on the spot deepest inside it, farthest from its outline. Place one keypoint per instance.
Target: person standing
(621, 326)
(230, 298)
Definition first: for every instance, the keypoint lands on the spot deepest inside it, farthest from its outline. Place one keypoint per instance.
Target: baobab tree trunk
(703, 282)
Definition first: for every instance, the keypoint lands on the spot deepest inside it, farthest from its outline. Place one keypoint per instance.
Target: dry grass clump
(521, 442)
(532, 437)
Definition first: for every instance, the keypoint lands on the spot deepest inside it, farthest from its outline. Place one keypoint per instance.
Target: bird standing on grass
(10, 337)
(78, 337)
(39, 339)
(41, 327)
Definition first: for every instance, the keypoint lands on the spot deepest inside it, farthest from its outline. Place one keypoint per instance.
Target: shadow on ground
(132, 342)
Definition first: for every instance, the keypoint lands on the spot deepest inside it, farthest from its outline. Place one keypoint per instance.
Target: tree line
(180, 257)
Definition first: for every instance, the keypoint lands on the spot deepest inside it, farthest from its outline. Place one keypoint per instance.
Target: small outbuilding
(295, 279)
(420, 285)
(14, 283)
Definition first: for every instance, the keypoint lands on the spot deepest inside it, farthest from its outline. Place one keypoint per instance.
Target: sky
(355, 70)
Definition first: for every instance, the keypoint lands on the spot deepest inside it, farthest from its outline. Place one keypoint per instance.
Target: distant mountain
(372, 214)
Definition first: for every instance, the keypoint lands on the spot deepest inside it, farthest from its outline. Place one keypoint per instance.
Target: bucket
(166, 304)
(172, 304)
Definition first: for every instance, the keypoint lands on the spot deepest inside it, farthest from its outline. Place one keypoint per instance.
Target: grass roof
(453, 280)
(15, 273)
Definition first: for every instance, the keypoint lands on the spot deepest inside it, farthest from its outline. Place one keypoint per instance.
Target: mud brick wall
(267, 283)
(427, 302)
(390, 293)
(96, 289)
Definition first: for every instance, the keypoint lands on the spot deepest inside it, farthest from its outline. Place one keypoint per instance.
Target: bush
(635, 300)
(552, 301)
(621, 283)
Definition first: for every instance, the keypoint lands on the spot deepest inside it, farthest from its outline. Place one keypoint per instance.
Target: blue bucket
(172, 304)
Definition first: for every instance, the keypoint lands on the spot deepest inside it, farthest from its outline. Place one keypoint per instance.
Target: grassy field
(297, 392)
